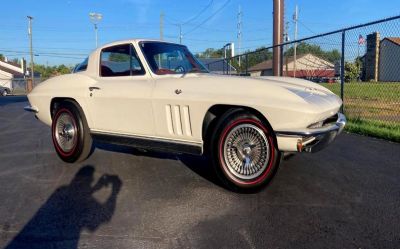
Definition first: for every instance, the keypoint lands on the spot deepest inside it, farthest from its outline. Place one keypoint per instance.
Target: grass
(372, 108)
(375, 129)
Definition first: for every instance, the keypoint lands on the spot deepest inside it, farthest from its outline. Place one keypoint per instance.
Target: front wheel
(244, 152)
(70, 133)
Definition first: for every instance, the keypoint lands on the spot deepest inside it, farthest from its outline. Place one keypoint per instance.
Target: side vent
(178, 120)
(186, 120)
(168, 114)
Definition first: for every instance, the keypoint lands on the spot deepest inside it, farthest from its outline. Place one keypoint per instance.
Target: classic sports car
(156, 95)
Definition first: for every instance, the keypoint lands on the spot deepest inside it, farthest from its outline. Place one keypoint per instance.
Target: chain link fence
(17, 86)
(360, 63)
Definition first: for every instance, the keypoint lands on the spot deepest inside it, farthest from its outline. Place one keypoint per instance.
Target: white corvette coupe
(156, 95)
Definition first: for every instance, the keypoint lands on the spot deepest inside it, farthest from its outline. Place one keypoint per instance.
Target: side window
(81, 67)
(120, 60)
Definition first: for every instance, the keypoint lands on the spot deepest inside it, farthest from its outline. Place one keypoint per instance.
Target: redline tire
(244, 151)
(70, 133)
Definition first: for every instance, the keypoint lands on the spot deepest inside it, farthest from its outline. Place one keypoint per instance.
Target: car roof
(134, 41)
(93, 56)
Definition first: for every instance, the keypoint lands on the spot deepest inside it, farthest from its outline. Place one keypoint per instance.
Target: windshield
(166, 58)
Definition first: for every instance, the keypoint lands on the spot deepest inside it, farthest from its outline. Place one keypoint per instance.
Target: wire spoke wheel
(65, 132)
(70, 132)
(246, 151)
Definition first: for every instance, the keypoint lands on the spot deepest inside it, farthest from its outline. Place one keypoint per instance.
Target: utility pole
(286, 39)
(95, 18)
(161, 35)
(278, 36)
(239, 32)
(161, 26)
(29, 85)
(295, 20)
(180, 33)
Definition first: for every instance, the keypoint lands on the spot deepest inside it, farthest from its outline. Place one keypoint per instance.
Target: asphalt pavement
(346, 196)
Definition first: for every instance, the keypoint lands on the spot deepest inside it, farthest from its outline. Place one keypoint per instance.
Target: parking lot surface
(347, 196)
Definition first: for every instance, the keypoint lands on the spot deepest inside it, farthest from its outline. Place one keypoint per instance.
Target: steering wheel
(179, 69)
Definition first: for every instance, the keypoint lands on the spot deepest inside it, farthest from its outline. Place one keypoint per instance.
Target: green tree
(259, 55)
(50, 71)
(212, 53)
(306, 48)
(118, 57)
(351, 71)
(62, 69)
(2, 57)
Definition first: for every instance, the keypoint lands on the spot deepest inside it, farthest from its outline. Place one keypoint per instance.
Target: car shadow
(12, 99)
(71, 208)
(200, 165)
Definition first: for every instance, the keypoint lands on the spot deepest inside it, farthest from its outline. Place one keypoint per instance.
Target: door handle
(94, 88)
(178, 91)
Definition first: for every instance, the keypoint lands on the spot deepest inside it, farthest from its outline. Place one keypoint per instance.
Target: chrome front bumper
(30, 108)
(313, 140)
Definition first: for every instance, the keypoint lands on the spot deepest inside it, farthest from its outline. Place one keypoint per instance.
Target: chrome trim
(30, 108)
(151, 143)
(338, 126)
(66, 132)
(313, 140)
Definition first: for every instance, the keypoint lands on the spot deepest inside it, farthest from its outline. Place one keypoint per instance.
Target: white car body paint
(149, 106)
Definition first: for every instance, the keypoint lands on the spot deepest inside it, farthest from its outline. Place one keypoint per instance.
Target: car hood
(295, 83)
(292, 92)
(286, 82)
(303, 88)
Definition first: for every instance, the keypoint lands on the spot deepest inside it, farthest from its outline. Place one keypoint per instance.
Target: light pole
(231, 46)
(95, 18)
(29, 86)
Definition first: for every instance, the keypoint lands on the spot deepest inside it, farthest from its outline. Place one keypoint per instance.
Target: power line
(54, 48)
(209, 18)
(39, 52)
(61, 56)
(306, 27)
(313, 32)
(199, 14)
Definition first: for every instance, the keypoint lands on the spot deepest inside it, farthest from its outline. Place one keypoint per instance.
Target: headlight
(316, 125)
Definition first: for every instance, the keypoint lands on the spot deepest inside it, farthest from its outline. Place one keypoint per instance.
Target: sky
(63, 33)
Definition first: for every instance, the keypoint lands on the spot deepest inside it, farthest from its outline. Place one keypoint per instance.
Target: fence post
(247, 64)
(342, 71)
(229, 66)
(281, 61)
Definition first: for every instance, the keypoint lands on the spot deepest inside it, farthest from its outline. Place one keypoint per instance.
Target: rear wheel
(70, 133)
(244, 151)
